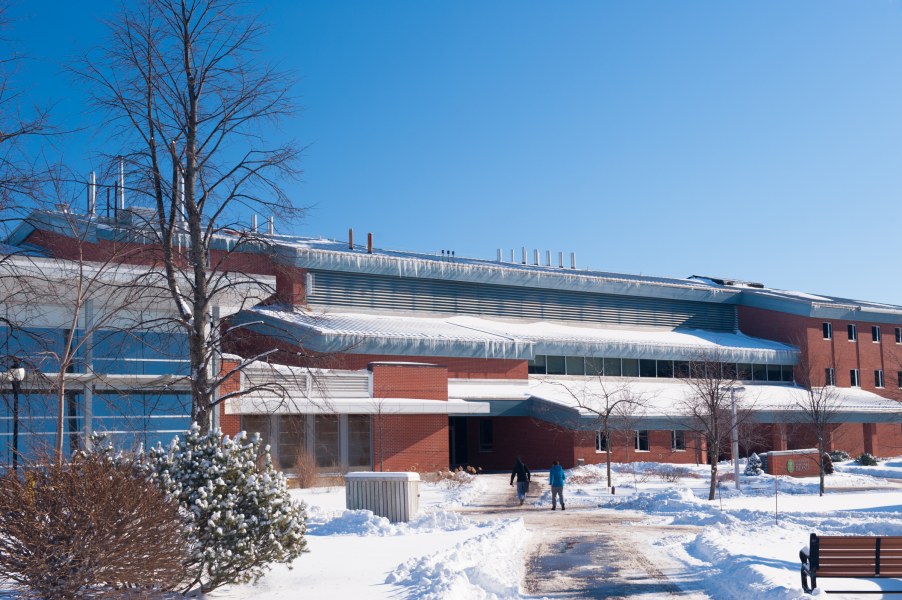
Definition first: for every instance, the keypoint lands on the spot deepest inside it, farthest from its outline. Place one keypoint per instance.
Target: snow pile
(488, 567)
(365, 523)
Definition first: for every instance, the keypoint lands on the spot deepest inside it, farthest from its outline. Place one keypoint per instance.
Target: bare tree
(707, 409)
(613, 404)
(186, 88)
(817, 408)
(20, 123)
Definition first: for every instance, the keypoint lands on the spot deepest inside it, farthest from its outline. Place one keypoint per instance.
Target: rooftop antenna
(121, 184)
(92, 195)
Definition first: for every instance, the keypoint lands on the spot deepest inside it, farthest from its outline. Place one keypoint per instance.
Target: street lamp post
(16, 376)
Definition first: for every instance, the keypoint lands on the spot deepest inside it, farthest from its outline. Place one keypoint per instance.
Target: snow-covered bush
(242, 518)
(839, 456)
(753, 466)
(866, 459)
(828, 464)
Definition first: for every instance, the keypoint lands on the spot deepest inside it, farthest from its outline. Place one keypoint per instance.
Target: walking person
(556, 478)
(521, 472)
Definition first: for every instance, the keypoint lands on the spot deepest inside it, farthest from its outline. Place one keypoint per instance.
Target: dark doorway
(457, 440)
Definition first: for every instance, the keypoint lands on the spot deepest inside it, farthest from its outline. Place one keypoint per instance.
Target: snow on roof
(665, 397)
(476, 336)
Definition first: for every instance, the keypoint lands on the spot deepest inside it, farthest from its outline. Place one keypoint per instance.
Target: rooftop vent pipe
(350, 238)
(548, 258)
(524, 255)
(560, 259)
(369, 243)
(535, 257)
(499, 255)
(254, 224)
(573, 260)
(271, 225)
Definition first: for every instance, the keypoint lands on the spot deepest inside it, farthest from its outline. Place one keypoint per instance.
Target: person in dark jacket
(556, 478)
(521, 472)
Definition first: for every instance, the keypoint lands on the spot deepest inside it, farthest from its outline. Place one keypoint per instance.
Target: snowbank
(488, 567)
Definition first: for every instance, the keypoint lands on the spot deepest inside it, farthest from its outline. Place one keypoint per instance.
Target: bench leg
(806, 573)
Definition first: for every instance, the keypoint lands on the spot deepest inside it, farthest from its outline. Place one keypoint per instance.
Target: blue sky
(756, 140)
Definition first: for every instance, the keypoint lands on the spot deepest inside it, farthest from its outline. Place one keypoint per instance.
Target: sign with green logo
(790, 466)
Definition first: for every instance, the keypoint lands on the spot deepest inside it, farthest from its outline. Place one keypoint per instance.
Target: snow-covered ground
(438, 555)
(747, 543)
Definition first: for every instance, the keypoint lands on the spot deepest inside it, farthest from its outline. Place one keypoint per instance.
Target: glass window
(360, 452)
(899, 378)
(647, 368)
(759, 372)
(326, 447)
(292, 439)
(257, 424)
(679, 440)
(787, 375)
(878, 378)
(828, 331)
(486, 436)
(665, 368)
(556, 365)
(630, 367)
(773, 373)
(854, 379)
(875, 333)
(612, 367)
(853, 332)
(576, 365)
(681, 369)
(728, 371)
(642, 441)
(899, 335)
(829, 376)
(744, 372)
(601, 442)
(537, 365)
(595, 367)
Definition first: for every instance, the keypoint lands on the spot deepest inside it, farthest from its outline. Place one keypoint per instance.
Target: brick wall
(230, 424)
(291, 285)
(424, 381)
(410, 442)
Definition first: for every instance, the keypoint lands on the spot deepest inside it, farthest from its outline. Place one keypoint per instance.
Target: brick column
(778, 437)
(869, 432)
(230, 424)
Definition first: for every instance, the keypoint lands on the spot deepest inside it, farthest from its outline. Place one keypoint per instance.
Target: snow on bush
(242, 517)
(753, 466)
(488, 567)
(867, 459)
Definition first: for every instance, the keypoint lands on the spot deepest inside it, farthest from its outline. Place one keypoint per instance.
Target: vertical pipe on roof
(524, 255)
(548, 258)
(535, 257)
(254, 224)
(271, 225)
(573, 260)
(350, 238)
(560, 259)
(499, 255)
(369, 243)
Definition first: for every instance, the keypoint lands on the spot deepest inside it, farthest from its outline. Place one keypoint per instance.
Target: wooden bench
(854, 557)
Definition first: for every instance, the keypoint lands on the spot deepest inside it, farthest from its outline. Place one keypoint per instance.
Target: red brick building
(397, 361)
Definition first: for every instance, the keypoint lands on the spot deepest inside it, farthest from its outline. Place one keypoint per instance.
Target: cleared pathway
(587, 552)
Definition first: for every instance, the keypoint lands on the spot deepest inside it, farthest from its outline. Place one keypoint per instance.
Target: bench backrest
(856, 556)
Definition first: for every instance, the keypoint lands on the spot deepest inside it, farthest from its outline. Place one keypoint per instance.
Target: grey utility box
(393, 495)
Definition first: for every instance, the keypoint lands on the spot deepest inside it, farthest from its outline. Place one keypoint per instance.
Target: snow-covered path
(587, 552)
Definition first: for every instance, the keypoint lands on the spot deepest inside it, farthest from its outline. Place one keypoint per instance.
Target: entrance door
(457, 440)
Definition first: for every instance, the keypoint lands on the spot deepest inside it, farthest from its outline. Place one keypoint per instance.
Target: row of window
(641, 367)
(640, 441)
(855, 377)
(852, 333)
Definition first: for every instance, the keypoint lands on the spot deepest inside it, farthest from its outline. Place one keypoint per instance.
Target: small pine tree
(828, 464)
(753, 466)
(242, 517)
(866, 459)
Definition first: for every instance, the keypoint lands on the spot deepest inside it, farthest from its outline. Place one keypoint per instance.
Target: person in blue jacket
(556, 478)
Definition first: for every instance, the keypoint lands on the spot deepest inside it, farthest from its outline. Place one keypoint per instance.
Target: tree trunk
(712, 457)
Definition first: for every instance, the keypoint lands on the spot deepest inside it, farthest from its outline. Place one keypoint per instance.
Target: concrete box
(393, 495)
